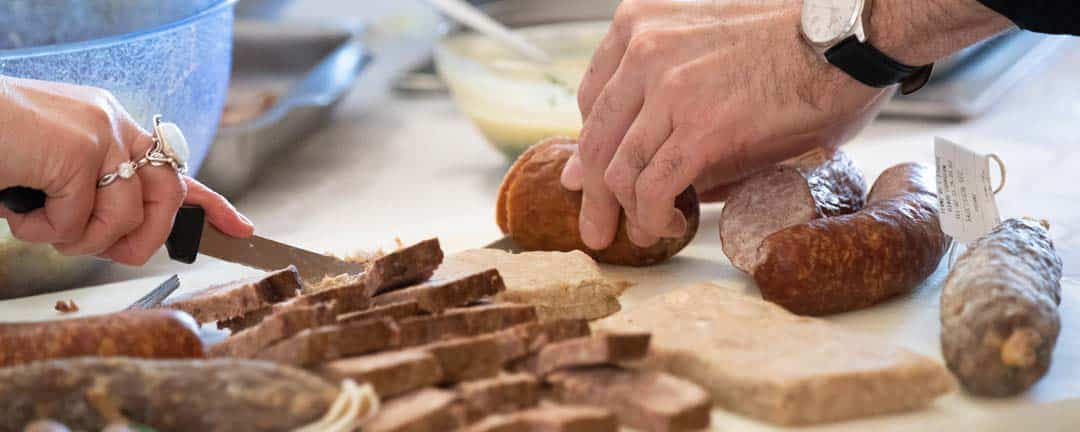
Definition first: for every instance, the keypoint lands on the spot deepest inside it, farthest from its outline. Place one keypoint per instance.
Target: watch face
(826, 21)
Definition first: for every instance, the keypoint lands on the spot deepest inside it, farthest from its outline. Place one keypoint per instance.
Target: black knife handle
(183, 242)
(21, 199)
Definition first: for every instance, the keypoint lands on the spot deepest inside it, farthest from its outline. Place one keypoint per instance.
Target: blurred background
(340, 124)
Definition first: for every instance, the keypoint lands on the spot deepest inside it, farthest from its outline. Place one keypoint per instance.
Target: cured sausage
(168, 395)
(811, 187)
(847, 262)
(539, 214)
(156, 333)
(999, 317)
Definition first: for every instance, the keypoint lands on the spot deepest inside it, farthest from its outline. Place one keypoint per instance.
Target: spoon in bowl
(471, 17)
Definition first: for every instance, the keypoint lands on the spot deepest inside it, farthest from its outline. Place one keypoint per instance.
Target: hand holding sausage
(680, 89)
(708, 92)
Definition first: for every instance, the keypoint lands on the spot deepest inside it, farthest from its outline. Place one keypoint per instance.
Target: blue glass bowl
(157, 56)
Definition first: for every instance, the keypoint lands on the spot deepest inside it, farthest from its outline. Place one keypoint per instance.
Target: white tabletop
(414, 167)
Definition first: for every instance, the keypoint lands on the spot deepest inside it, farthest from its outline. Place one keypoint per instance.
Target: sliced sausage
(847, 262)
(808, 188)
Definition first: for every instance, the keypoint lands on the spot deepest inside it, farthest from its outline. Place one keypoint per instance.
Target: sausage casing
(539, 214)
(842, 263)
(168, 395)
(156, 333)
(999, 317)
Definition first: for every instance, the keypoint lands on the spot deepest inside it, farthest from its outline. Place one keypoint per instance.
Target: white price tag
(968, 209)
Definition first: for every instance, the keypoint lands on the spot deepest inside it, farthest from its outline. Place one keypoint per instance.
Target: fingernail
(245, 220)
(571, 177)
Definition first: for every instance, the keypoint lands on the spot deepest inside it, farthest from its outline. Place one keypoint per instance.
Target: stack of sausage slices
(440, 354)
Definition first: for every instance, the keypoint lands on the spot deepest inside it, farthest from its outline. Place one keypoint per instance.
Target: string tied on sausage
(354, 405)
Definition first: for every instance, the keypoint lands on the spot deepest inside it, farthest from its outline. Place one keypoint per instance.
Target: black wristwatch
(837, 30)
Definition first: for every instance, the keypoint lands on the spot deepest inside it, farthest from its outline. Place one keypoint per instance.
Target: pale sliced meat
(407, 265)
(759, 360)
(391, 373)
(273, 328)
(536, 335)
(550, 418)
(331, 342)
(467, 358)
(394, 311)
(605, 306)
(426, 410)
(608, 348)
(463, 322)
(647, 400)
(438, 295)
(566, 284)
(234, 299)
(501, 394)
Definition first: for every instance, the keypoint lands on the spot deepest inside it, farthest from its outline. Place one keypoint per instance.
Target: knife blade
(192, 235)
(157, 295)
(506, 243)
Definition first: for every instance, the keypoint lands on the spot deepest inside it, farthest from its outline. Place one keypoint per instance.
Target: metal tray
(971, 82)
(307, 67)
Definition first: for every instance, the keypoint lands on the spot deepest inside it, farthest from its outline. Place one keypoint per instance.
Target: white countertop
(413, 167)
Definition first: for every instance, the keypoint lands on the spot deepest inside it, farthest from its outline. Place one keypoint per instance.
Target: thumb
(219, 211)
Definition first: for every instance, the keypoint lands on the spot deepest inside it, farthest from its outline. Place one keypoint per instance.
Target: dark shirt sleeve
(1043, 16)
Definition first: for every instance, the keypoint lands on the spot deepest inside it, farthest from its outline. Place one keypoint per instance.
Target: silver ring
(161, 153)
(124, 170)
(164, 152)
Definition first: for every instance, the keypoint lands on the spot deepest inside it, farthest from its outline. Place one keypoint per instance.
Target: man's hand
(708, 91)
(60, 139)
(678, 89)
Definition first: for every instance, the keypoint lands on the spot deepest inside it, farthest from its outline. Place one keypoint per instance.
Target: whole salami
(155, 333)
(999, 317)
(168, 395)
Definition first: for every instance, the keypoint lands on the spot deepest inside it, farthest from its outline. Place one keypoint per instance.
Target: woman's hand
(61, 139)
(680, 89)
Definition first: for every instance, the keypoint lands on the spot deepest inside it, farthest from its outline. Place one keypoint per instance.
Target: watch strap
(874, 68)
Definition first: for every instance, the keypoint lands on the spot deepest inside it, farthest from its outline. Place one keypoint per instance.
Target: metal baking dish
(306, 68)
(971, 82)
(260, 9)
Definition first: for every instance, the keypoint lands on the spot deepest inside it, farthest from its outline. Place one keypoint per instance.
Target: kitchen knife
(157, 295)
(506, 243)
(192, 235)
